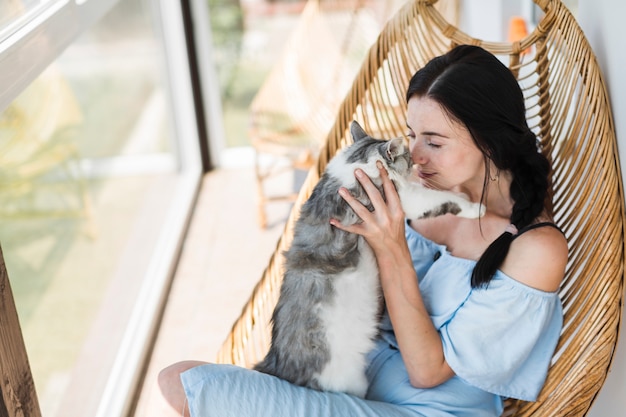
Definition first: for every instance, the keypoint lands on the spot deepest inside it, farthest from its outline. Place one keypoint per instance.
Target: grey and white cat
(327, 315)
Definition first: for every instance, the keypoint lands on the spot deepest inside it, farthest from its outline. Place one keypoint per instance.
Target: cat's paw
(472, 210)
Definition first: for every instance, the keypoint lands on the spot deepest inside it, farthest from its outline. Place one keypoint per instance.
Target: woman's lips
(425, 175)
(425, 178)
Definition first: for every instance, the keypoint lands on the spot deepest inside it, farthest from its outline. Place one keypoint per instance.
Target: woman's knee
(171, 386)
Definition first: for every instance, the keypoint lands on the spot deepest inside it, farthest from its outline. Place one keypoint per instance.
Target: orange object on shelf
(518, 30)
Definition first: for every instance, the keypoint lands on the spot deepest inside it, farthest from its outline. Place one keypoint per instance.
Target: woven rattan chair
(569, 109)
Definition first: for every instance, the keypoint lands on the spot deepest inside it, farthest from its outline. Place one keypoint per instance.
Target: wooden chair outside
(295, 107)
(568, 108)
(40, 173)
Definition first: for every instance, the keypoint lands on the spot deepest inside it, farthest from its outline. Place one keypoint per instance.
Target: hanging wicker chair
(568, 108)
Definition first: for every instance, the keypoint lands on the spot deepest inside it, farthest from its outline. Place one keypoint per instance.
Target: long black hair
(481, 93)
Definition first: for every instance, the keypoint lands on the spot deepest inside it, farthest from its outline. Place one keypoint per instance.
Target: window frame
(31, 46)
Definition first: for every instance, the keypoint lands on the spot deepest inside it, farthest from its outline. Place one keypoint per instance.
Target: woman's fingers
(356, 205)
(384, 176)
(372, 191)
(385, 205)
(358, 208)
(391, 193)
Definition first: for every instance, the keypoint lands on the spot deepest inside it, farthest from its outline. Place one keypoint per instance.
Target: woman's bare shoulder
(538, 258)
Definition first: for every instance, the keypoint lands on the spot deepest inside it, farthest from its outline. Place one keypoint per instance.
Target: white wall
(489, 19)
(602, 22)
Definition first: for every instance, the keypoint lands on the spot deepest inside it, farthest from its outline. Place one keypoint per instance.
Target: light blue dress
(499, 341)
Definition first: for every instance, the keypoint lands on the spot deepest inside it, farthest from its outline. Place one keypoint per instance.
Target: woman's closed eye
(428, 140)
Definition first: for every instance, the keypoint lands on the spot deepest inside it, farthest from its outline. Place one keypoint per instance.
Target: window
(99, 166)
(15, 14)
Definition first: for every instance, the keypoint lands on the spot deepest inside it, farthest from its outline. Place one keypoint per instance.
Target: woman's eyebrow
(429, 133)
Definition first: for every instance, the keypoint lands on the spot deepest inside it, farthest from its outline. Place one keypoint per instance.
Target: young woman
(473, 315)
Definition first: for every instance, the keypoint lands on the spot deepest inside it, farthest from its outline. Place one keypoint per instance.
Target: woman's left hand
(382, 228)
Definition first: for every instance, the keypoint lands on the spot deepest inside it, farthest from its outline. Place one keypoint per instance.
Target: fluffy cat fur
(327, 315)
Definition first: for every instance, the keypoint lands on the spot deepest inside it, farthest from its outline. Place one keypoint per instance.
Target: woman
(473, 314)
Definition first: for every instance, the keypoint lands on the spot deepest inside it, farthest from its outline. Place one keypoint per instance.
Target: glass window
(14, 14)
(96, 183)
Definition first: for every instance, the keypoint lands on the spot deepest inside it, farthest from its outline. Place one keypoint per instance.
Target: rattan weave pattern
(568, 108)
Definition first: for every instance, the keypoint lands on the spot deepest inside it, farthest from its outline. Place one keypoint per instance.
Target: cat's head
(393, 153)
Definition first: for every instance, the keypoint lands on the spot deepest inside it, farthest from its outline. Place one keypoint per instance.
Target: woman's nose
(419, 153)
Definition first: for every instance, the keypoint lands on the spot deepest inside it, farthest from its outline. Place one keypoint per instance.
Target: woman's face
(443, 150)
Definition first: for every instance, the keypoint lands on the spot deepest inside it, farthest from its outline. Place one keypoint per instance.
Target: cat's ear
(395, 147)
(357, 131)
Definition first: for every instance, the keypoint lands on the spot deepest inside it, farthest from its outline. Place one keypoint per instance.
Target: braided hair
(481, 93)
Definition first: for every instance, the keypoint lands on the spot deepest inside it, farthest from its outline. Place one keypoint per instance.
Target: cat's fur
(326, 318)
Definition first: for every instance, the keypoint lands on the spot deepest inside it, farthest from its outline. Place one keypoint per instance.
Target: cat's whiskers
(434, 184)
(414, 177)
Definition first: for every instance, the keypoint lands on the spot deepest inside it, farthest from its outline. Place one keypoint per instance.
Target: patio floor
(224, 255)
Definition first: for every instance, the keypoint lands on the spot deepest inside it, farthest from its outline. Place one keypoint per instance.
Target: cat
(330, 302)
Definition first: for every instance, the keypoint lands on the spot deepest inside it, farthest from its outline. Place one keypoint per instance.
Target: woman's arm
(383, 229)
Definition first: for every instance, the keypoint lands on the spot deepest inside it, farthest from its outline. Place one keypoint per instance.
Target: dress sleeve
(502, 338)
(423, 251)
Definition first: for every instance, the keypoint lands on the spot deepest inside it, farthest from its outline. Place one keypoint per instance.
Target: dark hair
(480, 92)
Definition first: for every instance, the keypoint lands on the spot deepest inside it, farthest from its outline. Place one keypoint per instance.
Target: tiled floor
(224, 255)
